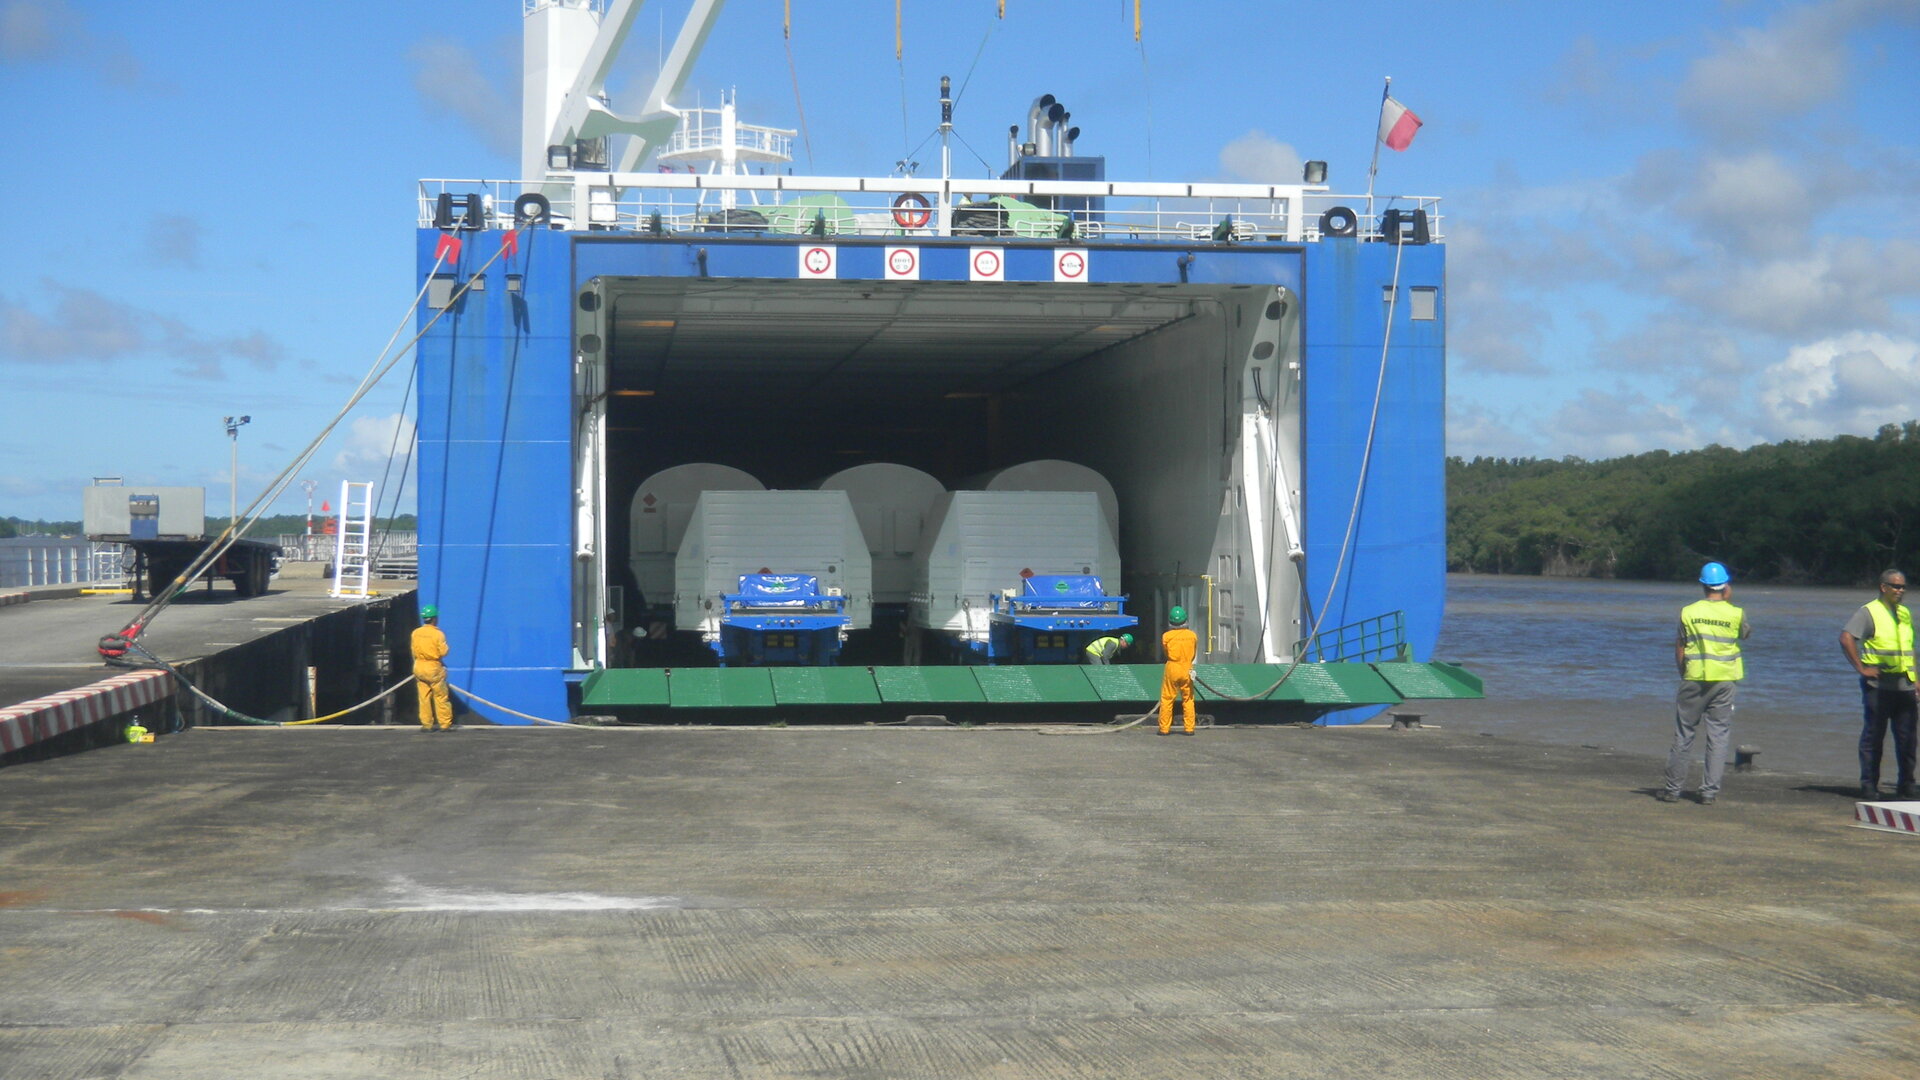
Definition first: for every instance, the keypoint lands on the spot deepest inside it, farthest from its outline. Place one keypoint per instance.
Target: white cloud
(451, 78)
(1600, 424)
(51, 31)
(375, 447)
(174, 240)
(1474, 430)
(33, 30)
(1853, 382)
(85, 325)
(1259, 158)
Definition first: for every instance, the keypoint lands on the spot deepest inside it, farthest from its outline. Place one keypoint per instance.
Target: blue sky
(1669, 224)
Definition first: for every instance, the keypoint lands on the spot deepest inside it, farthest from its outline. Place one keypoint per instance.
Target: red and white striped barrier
(13, 598)
(1900, 817)
(42, 718)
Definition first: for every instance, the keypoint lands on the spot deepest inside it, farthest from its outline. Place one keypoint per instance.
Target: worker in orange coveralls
(1179, 644)
(430, 672)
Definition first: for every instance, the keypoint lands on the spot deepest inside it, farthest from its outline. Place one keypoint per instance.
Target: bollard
(1407, 721)
(1743, 756)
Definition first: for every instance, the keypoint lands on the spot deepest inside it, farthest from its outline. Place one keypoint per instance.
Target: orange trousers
(435, 703)
(1176, 682)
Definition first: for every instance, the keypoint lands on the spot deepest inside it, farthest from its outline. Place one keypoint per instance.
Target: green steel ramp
(1125, 682)
(824, 686)
(716, 688)
(1336, 685)
(624, 686)
(1036, 684)
(916, 684)
(1433, 680)
(1311, 684)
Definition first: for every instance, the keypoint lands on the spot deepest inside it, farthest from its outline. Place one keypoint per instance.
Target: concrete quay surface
(50, 645)
(845, 902)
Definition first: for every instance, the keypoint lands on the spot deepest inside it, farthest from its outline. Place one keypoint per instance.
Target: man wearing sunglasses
(1878, 642)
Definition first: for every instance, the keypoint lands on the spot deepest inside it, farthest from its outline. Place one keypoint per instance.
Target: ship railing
(702, 130)
(1378, 639)
(908, 208)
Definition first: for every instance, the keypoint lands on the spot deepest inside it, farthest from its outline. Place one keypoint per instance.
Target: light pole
(308, 486)
(234, 424)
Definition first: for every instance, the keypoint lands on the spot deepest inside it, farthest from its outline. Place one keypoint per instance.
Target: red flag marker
(510, 243)
(448, 247)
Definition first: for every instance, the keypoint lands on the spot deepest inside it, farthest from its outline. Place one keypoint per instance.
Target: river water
(1591, 663)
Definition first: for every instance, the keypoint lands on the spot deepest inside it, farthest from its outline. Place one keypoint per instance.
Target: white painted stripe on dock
(42, 718)
(1894, 817)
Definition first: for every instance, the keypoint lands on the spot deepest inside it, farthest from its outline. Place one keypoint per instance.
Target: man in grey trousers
(1707, 652)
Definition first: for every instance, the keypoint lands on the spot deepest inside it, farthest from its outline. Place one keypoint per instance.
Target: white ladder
(352, 549)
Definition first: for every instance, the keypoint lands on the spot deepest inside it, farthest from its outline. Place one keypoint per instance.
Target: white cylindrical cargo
(662, 505)
(979, 544)
(731, 533)
(891, 502)
(1052, 474)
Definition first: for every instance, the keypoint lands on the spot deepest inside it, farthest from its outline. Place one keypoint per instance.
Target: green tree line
(1828, 511)
(266, 528)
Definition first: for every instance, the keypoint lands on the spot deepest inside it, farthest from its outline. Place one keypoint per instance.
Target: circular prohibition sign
(911, 210)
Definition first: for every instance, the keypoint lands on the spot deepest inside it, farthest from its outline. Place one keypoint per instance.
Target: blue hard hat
(1714, 575)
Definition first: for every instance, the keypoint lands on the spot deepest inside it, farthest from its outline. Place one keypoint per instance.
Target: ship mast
(569, 48)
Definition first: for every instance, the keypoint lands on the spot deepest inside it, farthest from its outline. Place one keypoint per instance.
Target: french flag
(1397, 124)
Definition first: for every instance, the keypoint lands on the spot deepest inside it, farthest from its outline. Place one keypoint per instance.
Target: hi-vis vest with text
(1891, 647)
(1710, 630)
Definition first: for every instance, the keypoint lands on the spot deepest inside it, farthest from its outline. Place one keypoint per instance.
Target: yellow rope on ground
(353, 708)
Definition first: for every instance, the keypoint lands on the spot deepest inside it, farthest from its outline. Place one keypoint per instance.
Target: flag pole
(1385, 93)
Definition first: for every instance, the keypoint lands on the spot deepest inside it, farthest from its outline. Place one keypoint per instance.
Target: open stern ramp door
(1189, 377)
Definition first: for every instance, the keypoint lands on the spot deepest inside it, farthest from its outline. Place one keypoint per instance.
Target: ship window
(440, 290)
(1386, 299)
(1425, 302)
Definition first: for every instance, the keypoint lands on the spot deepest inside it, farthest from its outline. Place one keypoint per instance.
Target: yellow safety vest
(1710, 632)
(1891, 647)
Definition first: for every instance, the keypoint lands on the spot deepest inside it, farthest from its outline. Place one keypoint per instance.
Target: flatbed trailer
(249, 564)
(166, 530)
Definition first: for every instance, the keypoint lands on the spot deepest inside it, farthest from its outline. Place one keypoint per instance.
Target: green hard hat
(1177, 616)
(1128, 638)
(430, 612)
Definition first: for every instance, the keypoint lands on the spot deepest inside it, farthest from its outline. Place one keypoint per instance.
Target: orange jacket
(429, 648)
(1180, 646)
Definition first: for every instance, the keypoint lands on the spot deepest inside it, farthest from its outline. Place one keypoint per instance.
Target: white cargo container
(731, 533)
(978, 543)
(121, 512)
(658, 517)
(891, 502)
(1052, 474)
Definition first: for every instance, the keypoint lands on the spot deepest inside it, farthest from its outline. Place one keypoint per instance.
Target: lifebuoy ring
(1339, 221)
(911, 210)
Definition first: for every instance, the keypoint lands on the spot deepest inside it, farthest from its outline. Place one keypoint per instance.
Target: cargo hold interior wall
(791, 381)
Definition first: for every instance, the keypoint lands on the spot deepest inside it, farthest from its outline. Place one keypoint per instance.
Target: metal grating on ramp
(824, 686)
(1007, 685)
(1433, 680)
(1125, 682)
(927, 684)
(709, 688)
(624, 686)
(1312, 684)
